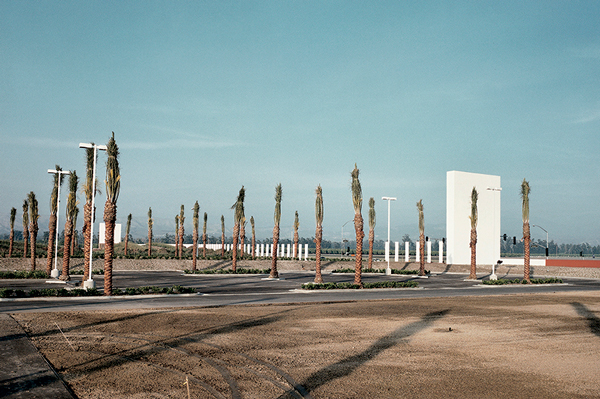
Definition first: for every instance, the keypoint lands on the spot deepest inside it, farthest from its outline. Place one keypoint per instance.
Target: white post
(288, 250)
(305, 251)
(441, 250)
(397, 251)
(387, 251)
(262, 250)
(418, 252)
(428, 251)
(407, 251)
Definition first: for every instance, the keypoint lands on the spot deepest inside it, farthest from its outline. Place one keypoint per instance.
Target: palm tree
(13, 215)
(296, 236)
(150, 235)
(176, 234)
(421, 238)
(33, 225)
(204, 237)
(277, 220)
(242, 235)
(25, 227)
(89, 187)
(253, 237)
(113, 187)
(222, 236)
(372, 222)
(318, 233)
(127, 230)
(195, 221)
(73, 232)
(57, 181)
(238, 215)
(473, 243)
(181, 231)
(70, 212)
(525, 190)
(358, 225)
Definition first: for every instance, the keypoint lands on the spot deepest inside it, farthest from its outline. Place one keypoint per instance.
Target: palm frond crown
(239, 206)
(13, 215)
(56, 182)
(296, 221)
(33, 207)
(525, 190)
(356, 191)
(72, 199)
(205, 220)
(421, 217)
(278, 195)
(196, 210)
(372, 218)
(113, 174)
(473, 217)
(319, 206)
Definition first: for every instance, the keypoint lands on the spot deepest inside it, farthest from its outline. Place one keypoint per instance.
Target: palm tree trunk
(126, 244)
(236, 234)
(204, 246)
(274, 273)
(87, 240)
(181, 232)
(110, 217)
(66, 252)
(195, 250)
(296, 239)
(73, 239)
(51, 237)
(12, 241)
(149, 242)
(33, 230)
(371, 240)
(222, 245)
(253, 246)
(473, 245)
(526, 243)
(422, 254)
(318, 240)
(360, 235)
(25, 242)
(242, 239)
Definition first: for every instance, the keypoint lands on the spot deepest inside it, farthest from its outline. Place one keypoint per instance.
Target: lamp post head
(388, 198)
(61, 172)
(90, 145)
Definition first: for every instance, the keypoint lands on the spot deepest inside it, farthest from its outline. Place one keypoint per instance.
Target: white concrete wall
(458, 224)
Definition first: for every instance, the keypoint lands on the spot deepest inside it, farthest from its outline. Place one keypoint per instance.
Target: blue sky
(205, 97)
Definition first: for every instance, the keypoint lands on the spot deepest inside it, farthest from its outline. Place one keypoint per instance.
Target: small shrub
(5, 292)
(343, 286)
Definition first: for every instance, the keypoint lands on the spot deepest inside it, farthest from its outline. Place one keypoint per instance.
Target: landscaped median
(352, 286)
(381, 271)
(79, 292)
(503, 281)
(228, 271)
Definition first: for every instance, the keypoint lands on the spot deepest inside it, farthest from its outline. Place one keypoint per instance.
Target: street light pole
(54, 272)
(388, 271)
(547, 242)
(89, 283)
(342, 251)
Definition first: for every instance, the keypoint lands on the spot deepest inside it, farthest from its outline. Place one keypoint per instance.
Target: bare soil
(514, 346)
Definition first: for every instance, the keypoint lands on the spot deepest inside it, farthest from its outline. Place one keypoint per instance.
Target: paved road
(221, 290)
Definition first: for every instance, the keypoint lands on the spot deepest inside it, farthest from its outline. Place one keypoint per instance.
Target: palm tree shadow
(593, 320)
(348, 365)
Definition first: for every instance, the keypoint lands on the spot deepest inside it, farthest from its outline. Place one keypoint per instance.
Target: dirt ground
(513, 346)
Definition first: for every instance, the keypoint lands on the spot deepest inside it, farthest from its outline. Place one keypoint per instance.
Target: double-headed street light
(54, 272)
(89, 283)
(547, 242)
(387, 250)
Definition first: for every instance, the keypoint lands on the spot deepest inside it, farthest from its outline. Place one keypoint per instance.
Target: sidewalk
(24, 373)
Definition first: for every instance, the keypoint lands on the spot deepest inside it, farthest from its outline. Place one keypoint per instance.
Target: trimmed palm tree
(296, 236)
(13, 215)
(33, 225)
(238, 215)
(70, 212)
(74, 231)
(421, 238)
(277, 220)
(318, 233)
(525, 190)
(89, 186)
(176, 234)
(372, 222)
(358, 225)
(222, 236)
(195, 222)
(57, 181)
(204, 236)
(113, 187)
(181, 231)
(150, 234)
(242, 236)
(25, 227)
(473, 242)
(253, 237)
(127, 232)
